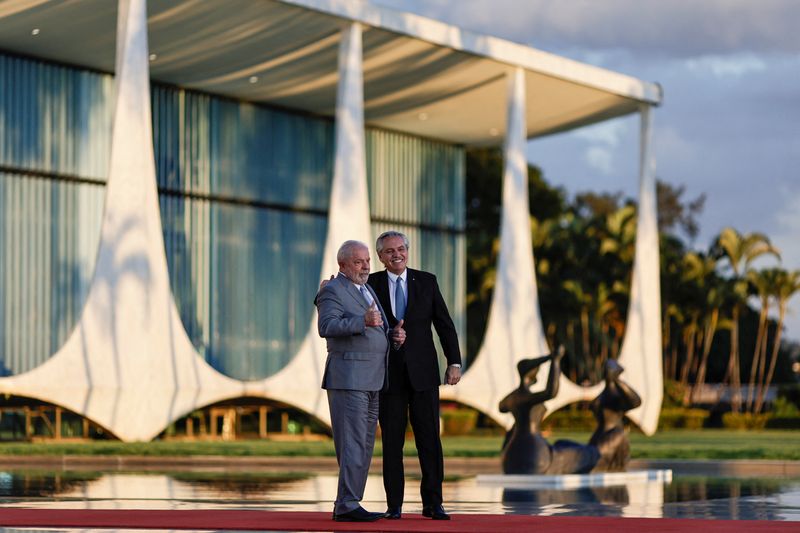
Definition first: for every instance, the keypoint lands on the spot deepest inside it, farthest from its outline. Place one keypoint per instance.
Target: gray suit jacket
(357, 355)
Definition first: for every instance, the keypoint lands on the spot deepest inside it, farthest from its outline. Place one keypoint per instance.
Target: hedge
(682, 418)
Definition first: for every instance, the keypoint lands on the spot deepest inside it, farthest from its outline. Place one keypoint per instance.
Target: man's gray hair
(346, 250)
(387, 235)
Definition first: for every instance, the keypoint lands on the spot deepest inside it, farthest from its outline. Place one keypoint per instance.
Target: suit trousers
(354, 416)
(423, 406)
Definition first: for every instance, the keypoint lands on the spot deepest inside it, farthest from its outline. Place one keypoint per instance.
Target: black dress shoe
(359, 514)
(436, 512)
(392, 513)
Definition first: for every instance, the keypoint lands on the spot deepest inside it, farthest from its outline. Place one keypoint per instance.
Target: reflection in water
(604, 495)
(734, 498)
(42, 483)
(640, 498)
(685, 497)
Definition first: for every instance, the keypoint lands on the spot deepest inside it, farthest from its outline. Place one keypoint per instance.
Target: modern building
(169, 203)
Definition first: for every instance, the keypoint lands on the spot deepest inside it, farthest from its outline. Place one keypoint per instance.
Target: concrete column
(128, 365)
(514, 328)
(641, 347)
(348, 218)
(349, 207)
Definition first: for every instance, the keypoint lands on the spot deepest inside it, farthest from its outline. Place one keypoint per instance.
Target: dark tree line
(722, 319)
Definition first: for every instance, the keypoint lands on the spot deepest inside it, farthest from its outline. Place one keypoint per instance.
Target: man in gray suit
(355, 327)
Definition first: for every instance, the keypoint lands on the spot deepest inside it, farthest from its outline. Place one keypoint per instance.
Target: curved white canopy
(421, 76)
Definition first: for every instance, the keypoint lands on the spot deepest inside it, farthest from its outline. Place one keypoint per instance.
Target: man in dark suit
(413, 302)
(355, 328)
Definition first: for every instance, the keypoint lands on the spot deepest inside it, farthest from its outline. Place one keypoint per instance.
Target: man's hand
(372, 318)
(324, 282)
(452, 375)
(398, 335)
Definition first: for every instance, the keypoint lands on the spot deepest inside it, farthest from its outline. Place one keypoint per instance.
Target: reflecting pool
(683, 497)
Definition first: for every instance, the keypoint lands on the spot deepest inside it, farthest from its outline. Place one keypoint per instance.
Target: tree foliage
(714, 330)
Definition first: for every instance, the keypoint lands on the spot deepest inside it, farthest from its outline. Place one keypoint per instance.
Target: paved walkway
(244, 520)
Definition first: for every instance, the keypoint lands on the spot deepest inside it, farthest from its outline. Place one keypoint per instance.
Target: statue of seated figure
(609, 409)
(525, 451)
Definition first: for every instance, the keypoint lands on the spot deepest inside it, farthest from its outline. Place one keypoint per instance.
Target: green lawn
(700, 444)
(718, 444)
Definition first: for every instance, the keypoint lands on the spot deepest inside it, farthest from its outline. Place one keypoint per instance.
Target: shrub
(783, 407)
(570, 420)
(744, 421)
(674, 393)
(458, 421)
(681, 418)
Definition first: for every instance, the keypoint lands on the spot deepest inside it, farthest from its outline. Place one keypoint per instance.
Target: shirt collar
(394, 277)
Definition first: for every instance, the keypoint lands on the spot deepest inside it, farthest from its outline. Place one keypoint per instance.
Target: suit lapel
(350, 289)
(383, 294)
(413, 289)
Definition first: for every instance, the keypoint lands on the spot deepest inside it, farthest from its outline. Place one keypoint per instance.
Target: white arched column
(641, 348)
(128, 365)
(299, 382)
(514, 329)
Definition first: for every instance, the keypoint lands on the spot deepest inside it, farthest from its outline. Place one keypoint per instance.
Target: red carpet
(306, 521)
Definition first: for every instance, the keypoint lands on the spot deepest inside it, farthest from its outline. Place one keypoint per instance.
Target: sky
(729, 124)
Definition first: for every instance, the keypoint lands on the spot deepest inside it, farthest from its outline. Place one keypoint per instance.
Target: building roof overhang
(421, 76)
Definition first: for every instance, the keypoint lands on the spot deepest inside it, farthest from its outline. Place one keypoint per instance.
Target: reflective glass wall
(54, 149)
(244, 193)
(244, 196)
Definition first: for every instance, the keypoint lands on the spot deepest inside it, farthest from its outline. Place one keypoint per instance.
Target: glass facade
(243, 194)
(54, 121)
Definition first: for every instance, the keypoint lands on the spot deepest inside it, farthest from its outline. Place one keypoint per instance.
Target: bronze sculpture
(525, 450)
(609, 409)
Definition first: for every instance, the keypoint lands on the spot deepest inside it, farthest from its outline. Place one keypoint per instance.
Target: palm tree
(620, 234)
(703, 301)
(765, 283)
(788, 283)
(715, 297)
(740, 250)
(672, 314)
(583, 300)
(673, 294)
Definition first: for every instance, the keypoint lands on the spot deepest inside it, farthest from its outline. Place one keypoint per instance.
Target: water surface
(684, 497)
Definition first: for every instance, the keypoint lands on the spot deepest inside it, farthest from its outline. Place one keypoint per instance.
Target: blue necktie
(365, 294)
(399, 299)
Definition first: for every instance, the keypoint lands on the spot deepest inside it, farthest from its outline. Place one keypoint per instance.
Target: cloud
(672, 145)
(606, 133)
(674, 27)
(736, 65)
(728, 125)
(602, 141)
(788, 226)
(785, 239)
(600, 159)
